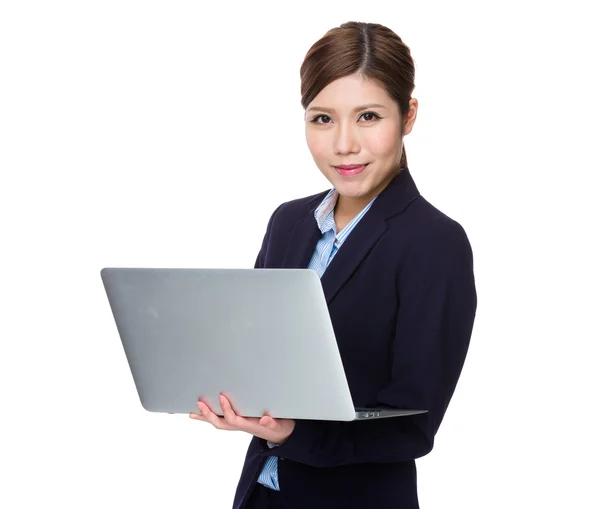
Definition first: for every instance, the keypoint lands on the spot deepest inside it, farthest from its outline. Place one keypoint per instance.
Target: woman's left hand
(266, 427)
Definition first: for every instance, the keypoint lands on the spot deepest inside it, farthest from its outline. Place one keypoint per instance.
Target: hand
(265, 427)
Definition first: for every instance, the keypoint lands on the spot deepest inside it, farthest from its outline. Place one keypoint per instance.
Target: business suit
(402, 300)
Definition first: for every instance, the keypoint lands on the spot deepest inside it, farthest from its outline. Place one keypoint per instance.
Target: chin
(352, 192)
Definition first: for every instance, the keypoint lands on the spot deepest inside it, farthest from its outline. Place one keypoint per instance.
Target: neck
(350, 207)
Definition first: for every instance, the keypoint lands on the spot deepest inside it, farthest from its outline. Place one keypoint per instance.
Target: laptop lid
(262, 336)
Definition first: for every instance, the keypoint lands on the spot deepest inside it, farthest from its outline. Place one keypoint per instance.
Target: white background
(145, 133)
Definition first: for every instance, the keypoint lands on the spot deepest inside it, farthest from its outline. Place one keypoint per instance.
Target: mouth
(348, 170)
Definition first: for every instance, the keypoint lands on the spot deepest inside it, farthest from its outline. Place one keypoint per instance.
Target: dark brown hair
(369, 49)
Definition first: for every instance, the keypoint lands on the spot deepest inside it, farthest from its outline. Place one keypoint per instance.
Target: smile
(349, 171)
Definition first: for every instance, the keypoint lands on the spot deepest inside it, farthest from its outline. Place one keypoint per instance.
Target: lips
(349, 166)
(349, 170)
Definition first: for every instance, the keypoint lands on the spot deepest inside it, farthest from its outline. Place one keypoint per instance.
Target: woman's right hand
(266, 427)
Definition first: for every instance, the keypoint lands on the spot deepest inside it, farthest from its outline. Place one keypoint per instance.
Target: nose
(345, 139)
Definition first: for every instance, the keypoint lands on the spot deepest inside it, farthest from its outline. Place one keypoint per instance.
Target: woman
(400, 292)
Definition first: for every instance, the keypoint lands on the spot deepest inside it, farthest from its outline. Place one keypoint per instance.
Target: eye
(370, 113)
(320, 116)
(327, 119)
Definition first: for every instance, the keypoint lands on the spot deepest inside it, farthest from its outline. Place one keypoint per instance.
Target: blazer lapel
(351, 254)
(303, 239)
(399, 193)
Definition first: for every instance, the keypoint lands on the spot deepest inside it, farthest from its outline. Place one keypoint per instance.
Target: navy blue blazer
(401, 295)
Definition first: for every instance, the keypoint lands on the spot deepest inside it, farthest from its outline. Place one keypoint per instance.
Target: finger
(230, 416)
(207, 414)
(198, 417)
(212, 418)
(205, 405)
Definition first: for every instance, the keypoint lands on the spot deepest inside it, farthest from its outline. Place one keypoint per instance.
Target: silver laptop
(262, 336)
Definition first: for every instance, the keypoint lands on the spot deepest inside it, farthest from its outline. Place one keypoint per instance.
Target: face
(353, 121)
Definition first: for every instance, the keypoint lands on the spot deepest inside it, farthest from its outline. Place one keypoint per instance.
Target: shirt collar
(324, 212)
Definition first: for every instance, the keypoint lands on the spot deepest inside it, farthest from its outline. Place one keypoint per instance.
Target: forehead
(350, 91)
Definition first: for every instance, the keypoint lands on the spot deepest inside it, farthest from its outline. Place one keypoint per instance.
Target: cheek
(316, 145)
(384, 143)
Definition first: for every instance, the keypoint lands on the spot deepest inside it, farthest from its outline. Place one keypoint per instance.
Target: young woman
(398, 278)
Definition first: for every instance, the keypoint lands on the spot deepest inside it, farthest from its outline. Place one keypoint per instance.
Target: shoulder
(423, 237)
(431, 252)
(438, 225)
(426, 225)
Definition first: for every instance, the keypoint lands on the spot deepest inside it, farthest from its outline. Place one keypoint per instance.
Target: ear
(411, 116)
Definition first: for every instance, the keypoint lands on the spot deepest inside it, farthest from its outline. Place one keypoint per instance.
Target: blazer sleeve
(260, 259)
(433, 329)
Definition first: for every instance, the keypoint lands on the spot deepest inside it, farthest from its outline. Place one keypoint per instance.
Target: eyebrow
(358, 108)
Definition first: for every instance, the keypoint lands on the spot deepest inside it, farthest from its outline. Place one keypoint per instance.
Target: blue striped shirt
(327, 247)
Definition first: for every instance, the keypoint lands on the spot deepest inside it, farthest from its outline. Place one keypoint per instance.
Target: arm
(434, 324)
(260, 259)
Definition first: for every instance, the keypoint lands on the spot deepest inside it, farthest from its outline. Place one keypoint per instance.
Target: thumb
(268, 422)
